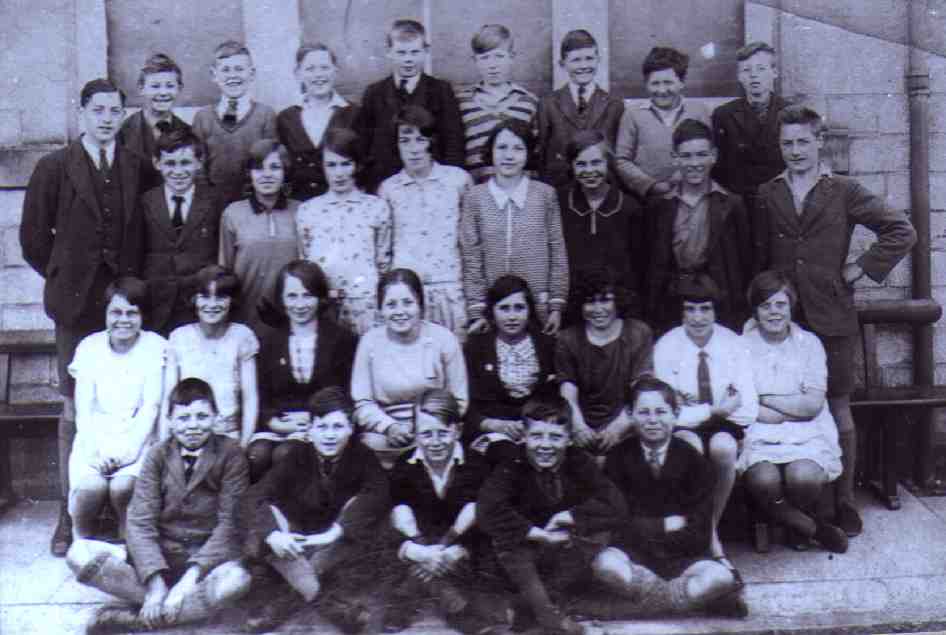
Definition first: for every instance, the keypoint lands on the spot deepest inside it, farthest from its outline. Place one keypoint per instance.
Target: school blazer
(136, 135)
(813, 246)
(749, 152)
(170, 513)
(57, 230)
(306, 178)
(558, 121)
(169, 261)
(375, 124)
(684, 487)
(729, 258)
(278, 389)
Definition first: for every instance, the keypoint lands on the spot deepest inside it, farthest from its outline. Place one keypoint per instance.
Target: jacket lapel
(325, 346)
(784, 205)
(597, 106)
(130, 172)
(160, 215)
(200, 207)
(208, 456)
(567, 106)
(391, 95)
(79, 173)
(717, 211)
(746, 119)
(818, 200)
(176, 465)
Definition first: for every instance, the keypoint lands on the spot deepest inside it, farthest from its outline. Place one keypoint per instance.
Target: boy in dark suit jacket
(80, 231)
(182, 529)
(182, 222)
(407, 85)
(434, 493)
(698, 227)
(316, 510)
(668, 487)
(548, 516)
(579, 105)
(804, 224)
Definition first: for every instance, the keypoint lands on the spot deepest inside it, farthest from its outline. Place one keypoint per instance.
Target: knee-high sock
(107, 573)
(844, 487)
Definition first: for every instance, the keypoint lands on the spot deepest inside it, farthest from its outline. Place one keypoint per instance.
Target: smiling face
(546, 443)
(696, 158)
(801, 147)
(698, 320)
(101, 117)
(494, 66)
(400, 309)
(330, 434)
(511, 315)
(159, 92)
(435, 439)
(122, 320)
(301, 306)
(178, 168)
(600, 312)
(316, 73)
(654, 417)
(664, 88)
(407, 56)
(581, 65)
(233, 75)
(212, 308)
(591, 167)
(757, 75)
(339, 172)
(414, 149)
(510, 154)
(192, 424)
(268, 179)
(774, 314)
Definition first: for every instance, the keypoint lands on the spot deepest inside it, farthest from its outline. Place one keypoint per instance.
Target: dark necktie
(230, 117)
(551, 484)
(103, 162)
(402, 89)
(761, 111)
(653, 460)
(190, 460)
(703, 380)
(163, 127)
(177, 219)
(582, 102)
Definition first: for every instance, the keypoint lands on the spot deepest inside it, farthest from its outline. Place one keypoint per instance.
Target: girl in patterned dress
(347, 232)
(425, 207)
(221, 352)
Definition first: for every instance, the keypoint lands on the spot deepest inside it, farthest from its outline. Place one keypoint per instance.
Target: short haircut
(575, 40)
(690, 130)
(189, 390)
(403, 30)
(313, 280)
(177, 138)
(505, 286)
(262, 148)
(160, 63)
(661, 58)
(752, 48)
(134, 290)
(592, 282)
(96, 86)
(698, 288)
(440, 404)
(418, 117)
(401, 276)
(231, 48)
(519, 128)
(331, 399)
(345, 142)
(585, 139)
(305, 48)
(491, 36)
(767, 284)
(548, 407)
(226, 282)
(802, 116)
(648, 383)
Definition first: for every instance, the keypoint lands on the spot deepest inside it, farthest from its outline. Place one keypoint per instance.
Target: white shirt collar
(668, 117)
(517, 196)
(188, 199)
(411, 82)
(824, 172)
(440, 481)
(195, 453)
(337, 101)
(352, 197)
(402, 178)
(590, 89)
(93, 151)
(243, 106)
(661, 452)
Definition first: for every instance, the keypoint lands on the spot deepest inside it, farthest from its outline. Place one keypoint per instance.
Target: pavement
(893, 579)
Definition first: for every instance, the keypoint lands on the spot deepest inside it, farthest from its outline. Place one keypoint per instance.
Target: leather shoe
(847, 518)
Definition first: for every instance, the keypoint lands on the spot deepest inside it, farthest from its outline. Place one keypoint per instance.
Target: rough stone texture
(11, 207)
(30, 317)
(16, 164)
(870, 113)
(11, 130)
(46, 118)
(880, 153)
(938, 152)
(19, 285)
(11, 251)
(938, 191)
(898, 190)
(32, 369)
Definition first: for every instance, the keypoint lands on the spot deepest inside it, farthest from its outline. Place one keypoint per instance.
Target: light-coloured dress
(794, 365)
(118, 396)
(349, 237)
(426, 217)
(216, 361)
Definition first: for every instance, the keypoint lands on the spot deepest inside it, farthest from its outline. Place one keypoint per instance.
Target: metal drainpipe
(918, 89)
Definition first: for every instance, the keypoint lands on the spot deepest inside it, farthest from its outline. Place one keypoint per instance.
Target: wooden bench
(21, 419)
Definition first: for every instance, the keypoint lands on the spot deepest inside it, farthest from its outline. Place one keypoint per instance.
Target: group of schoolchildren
(555, 237)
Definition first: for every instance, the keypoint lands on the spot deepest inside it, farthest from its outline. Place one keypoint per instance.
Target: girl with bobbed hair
(791, 452)
(304, 352)
(302, 128)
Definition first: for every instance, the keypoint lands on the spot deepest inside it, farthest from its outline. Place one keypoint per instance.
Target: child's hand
(286, 545)
(553, 323)
(479, 325)
(399, 434)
